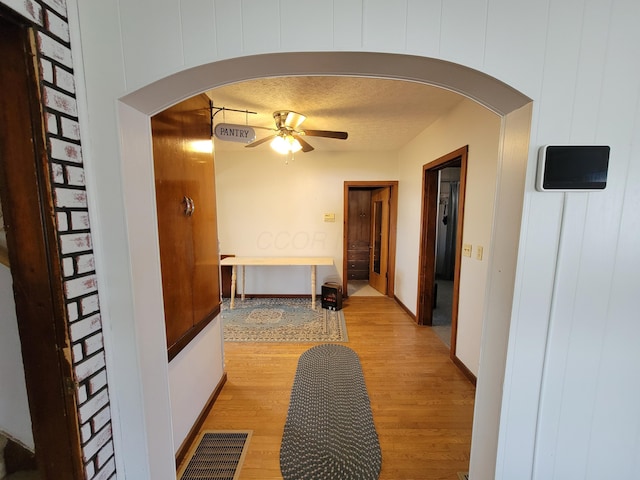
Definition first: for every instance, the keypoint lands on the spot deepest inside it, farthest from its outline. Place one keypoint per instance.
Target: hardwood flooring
(422, 404)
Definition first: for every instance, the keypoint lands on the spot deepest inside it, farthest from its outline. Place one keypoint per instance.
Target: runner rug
(281, 320)
(329, 431)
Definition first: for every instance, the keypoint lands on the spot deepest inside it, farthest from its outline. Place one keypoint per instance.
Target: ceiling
(378, 114)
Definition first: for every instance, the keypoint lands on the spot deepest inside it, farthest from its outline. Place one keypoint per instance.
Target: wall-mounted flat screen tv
(572, 168)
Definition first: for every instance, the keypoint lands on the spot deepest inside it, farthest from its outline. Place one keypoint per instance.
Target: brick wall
(49, 20)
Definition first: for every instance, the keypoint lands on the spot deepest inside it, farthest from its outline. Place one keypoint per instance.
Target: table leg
(243, 277)
(233, 286)
(313, 287)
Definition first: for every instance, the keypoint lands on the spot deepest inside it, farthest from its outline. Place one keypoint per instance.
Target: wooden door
(379, 248)
(35, 261)
(187, 224)
(358, 234)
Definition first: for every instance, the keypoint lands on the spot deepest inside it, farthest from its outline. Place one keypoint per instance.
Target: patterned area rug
(329, 432)
(281, 320)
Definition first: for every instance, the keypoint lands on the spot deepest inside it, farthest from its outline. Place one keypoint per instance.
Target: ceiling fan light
(285, 144)
(295, 146)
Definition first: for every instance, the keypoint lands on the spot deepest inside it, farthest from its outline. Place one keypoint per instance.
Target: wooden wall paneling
(189, 256)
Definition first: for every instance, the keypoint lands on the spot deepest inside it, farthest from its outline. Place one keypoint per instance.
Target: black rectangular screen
(565, 167)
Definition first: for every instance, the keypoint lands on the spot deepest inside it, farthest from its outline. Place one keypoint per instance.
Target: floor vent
(217, 455)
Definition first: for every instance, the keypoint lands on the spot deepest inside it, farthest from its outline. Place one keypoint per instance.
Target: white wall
(193, 376)
(15, 419)
(267, 207)
(572, 385)
(468, 124)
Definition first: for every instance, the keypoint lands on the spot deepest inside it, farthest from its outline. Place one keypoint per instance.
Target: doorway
(34, 260)
(370, 218)
(443, 192)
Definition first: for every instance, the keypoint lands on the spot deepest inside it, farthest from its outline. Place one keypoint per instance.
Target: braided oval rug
(329, 432)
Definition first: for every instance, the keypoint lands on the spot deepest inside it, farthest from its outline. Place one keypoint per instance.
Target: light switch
(479, 252)
(329, 217)
(466, 250)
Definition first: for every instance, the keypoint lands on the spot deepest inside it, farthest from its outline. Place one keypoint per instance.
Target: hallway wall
(468, 124)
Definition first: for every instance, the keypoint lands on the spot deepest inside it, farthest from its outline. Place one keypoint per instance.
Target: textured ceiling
(378, 114)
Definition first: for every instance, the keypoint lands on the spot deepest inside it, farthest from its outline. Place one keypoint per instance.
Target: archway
(135, 110)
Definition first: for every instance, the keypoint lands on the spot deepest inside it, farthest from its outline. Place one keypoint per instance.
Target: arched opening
(134, 112)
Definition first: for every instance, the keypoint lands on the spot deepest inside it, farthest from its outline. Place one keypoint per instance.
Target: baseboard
(463, 368)
(406, 309)
(193, 433)
(276, 295)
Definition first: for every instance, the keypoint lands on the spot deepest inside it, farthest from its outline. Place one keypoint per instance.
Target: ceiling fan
(288, 135)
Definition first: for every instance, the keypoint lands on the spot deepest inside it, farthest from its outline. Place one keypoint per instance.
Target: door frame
(35, 260)
(393, 227)
(427, 254)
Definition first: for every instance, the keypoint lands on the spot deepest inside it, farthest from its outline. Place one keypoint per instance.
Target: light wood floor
(422, 404)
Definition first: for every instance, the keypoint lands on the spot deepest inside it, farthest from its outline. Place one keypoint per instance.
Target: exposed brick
(52, 124)
(78, 355)
(89, 471)
(83, 328)
(57, 173)
(99, 440)
(60, 102)
(70, 128)
(89, 305)
(72, 311)
(82, 394)
(27, 8)
(67, 267)
(54, 50)
(63, 224)
(70, 152)
(65, 80)
(97, 382)
(107, 471)
(56, 26)
(80, 286)
(89, 366)
(96, 403)
(85, 264)
(75, 176)
(75, 242)
(101, 418)
(58, 87)
(85, 432)
(59, 6)
(46, 70)
(104, 454)
(70, 198)
(93, 344)
(80, 220)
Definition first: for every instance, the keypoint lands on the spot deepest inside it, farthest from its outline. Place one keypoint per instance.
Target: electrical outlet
(466, 250)
(479, 252)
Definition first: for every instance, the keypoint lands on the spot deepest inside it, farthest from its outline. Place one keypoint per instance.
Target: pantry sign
(234, 133)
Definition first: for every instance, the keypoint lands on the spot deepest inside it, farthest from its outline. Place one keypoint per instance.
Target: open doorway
(370, 218)
(443, 193)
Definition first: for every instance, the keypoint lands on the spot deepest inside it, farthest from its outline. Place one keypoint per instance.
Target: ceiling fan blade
(260, 142)
(327, 134)
(305, 146)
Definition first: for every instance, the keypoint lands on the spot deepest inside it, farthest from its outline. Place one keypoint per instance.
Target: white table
(234, 262)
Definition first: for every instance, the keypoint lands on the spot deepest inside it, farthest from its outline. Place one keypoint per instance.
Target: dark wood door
(187, 228)
(35, 262)
(359, 234)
